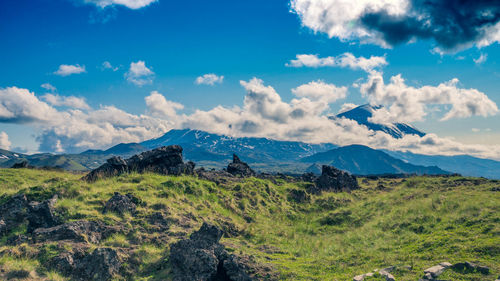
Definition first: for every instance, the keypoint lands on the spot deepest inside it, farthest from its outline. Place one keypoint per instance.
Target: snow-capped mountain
(362, 113)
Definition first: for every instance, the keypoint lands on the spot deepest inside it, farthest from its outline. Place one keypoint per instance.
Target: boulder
(42, 214)
(433, 272)
(470, 267)
(165, 160)
(239, 168)
(120, 204)
(102, 264)
(77, 231)
(333, 179)
(203, 258)
(22, 164)
(13, 213)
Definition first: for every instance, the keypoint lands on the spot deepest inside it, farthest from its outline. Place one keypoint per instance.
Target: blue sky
(181, 40)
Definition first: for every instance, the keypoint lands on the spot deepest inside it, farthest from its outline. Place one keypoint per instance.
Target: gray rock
(432, 273)
(77, 231)
(203, 258)
(42, 214)
(239, 168)
(165, 160)
(13, 213)
(333, 179)
(120, 204)
(471, 267)
(362, 276)
(102, 265)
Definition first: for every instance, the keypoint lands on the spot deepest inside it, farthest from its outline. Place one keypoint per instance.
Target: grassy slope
(419, 221)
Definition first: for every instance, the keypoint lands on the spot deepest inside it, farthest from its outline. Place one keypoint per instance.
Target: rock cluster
(432, 273)
(203, 258)
(101, 265)
(76, 231)
(165, 160)
(333, 179)
(18, 210)
(239, 168)
(385, 272)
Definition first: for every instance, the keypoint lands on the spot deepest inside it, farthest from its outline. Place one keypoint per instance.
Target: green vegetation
(417, 222)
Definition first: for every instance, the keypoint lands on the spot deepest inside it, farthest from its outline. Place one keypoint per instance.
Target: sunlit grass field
(412, 223)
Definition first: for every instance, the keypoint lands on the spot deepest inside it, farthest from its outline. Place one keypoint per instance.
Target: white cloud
(346, 107)
(321, 91)
(263, 114)
(66, 69)
(71, 101)
(339, 18)
(158, 105)
(343, 60)
(482, 58)
(391, 22)
(4, 141)
(475, 130)
(139, 74)
(209, 79)
(131, 4)
(22, 106)
(407, 104)
(108, 65)
(48, 87)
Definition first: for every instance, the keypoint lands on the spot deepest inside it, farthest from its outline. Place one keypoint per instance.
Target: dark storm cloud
(451, 23)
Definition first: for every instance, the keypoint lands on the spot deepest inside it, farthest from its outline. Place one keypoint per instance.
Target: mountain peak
(363, 113)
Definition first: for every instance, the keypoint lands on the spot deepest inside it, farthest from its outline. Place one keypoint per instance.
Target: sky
(88, 74)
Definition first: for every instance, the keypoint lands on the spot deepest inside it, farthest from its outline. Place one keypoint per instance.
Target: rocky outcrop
(203, 258)
(385, 273)
(18, 209)
(77, 231)
(42, 214)
(333, 179)
(22, 164)
(101, 265)
(165, 160)
(469, 267)
(433, 272)
(121, 204)
(13, 213)
(239, 168)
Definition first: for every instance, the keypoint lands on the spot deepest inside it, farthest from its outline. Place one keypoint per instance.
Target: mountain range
(215, 151)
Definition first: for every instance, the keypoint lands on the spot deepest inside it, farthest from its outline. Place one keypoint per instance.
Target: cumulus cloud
(48, 87)
(4, 141)
(131, 4)
(158, 105)
(22, 106)
(452, 25)
(138, 74)
(67, 69)
(209, 79)
(263, 114)
(321, 91)
(404, 103)
(482, 58)
(71, 101)
(344, 60)
(108, 65)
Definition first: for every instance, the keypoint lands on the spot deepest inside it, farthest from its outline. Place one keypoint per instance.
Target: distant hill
(362, 113)
(362, 160)
(462, 164)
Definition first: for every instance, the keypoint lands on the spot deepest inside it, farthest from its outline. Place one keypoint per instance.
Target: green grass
(419, 222)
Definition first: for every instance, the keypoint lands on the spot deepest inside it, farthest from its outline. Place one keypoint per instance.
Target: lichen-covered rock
(42, 214)
(203, 258)
(13, 213)
(77, 231)
(102, 264)
(239, 168)
(333, 179)
(120, 204)
(165, 160)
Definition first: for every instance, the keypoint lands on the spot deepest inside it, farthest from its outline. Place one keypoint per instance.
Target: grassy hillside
(419, 222)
